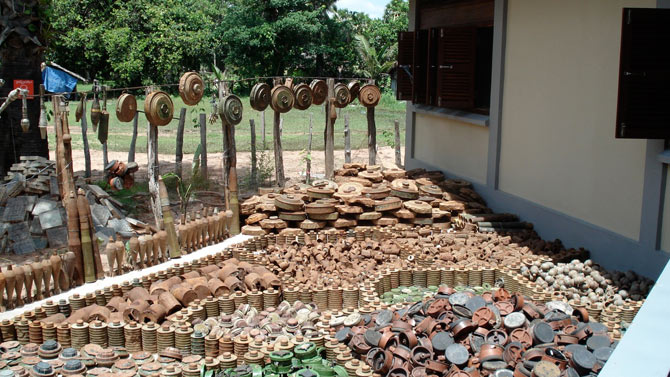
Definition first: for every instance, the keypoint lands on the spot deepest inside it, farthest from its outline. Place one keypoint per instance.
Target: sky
(374, 8)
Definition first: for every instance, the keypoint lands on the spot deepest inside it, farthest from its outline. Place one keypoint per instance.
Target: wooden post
(279, 154)
(330, 131)
(179, 150)
(203, 146)
(133, 140)
(398, 159)
(347, 140)
(372, 136)
(263, 129)
(103, 130)
(225, 164)
(153, 171)
(254, 167)
(230, 167)
(84, 138)
(308, 170)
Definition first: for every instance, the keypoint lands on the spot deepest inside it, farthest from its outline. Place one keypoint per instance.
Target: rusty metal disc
(369, 95)
(303, 96)
(126, 107)
(230, 109)
(319, 91)
(342, 95)
(158, 108)
(354, 87)
(260, 96)
(282, 99)
(191, 88)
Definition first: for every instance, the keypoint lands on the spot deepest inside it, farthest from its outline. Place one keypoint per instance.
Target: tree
(283, 37)
(135, 42)
(373, 63)
(384, 31)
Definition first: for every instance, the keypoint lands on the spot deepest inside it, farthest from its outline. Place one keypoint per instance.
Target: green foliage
(133, 42)
(278, 37)
(388, 138)
(184, 190)
(142, 42)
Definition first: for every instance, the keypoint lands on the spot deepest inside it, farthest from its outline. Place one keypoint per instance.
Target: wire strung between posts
(214, 82)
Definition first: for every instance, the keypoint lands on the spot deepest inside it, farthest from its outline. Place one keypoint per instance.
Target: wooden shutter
(643, 110)
(405, 62)
(431, 85)
(456, 68)
(420, 71)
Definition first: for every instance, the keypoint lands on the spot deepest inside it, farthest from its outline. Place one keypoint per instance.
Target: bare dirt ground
(294, 165)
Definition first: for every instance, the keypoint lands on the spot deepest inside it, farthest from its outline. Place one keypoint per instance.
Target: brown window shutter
(456, 67)
(405, 62)
(420, 66)
(643, 110)
(431, 86)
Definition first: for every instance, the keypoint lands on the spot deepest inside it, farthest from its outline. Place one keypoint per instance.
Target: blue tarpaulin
(57, 81)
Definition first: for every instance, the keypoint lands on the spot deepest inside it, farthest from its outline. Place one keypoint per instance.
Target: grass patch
(294, 135)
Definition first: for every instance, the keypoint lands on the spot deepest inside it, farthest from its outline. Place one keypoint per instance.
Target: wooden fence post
(263, 129)
(308, 170)
(279, 155)
(329, 144)
(203, 146)
(84, 136)
(398, 159)
(347, 140)
(372, 136)
(254, 168)
(153, 171)
(179, 150)
(133, 140)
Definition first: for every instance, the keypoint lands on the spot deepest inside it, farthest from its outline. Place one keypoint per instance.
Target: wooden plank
(179, 150)
(347, 140)
(398, 158)
(203, 146)
(98, 192)
(372, 136)
(133, 140)
(254, 167)
(330, 132)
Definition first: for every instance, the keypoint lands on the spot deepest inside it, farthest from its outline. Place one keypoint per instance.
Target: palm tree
(374, 64)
